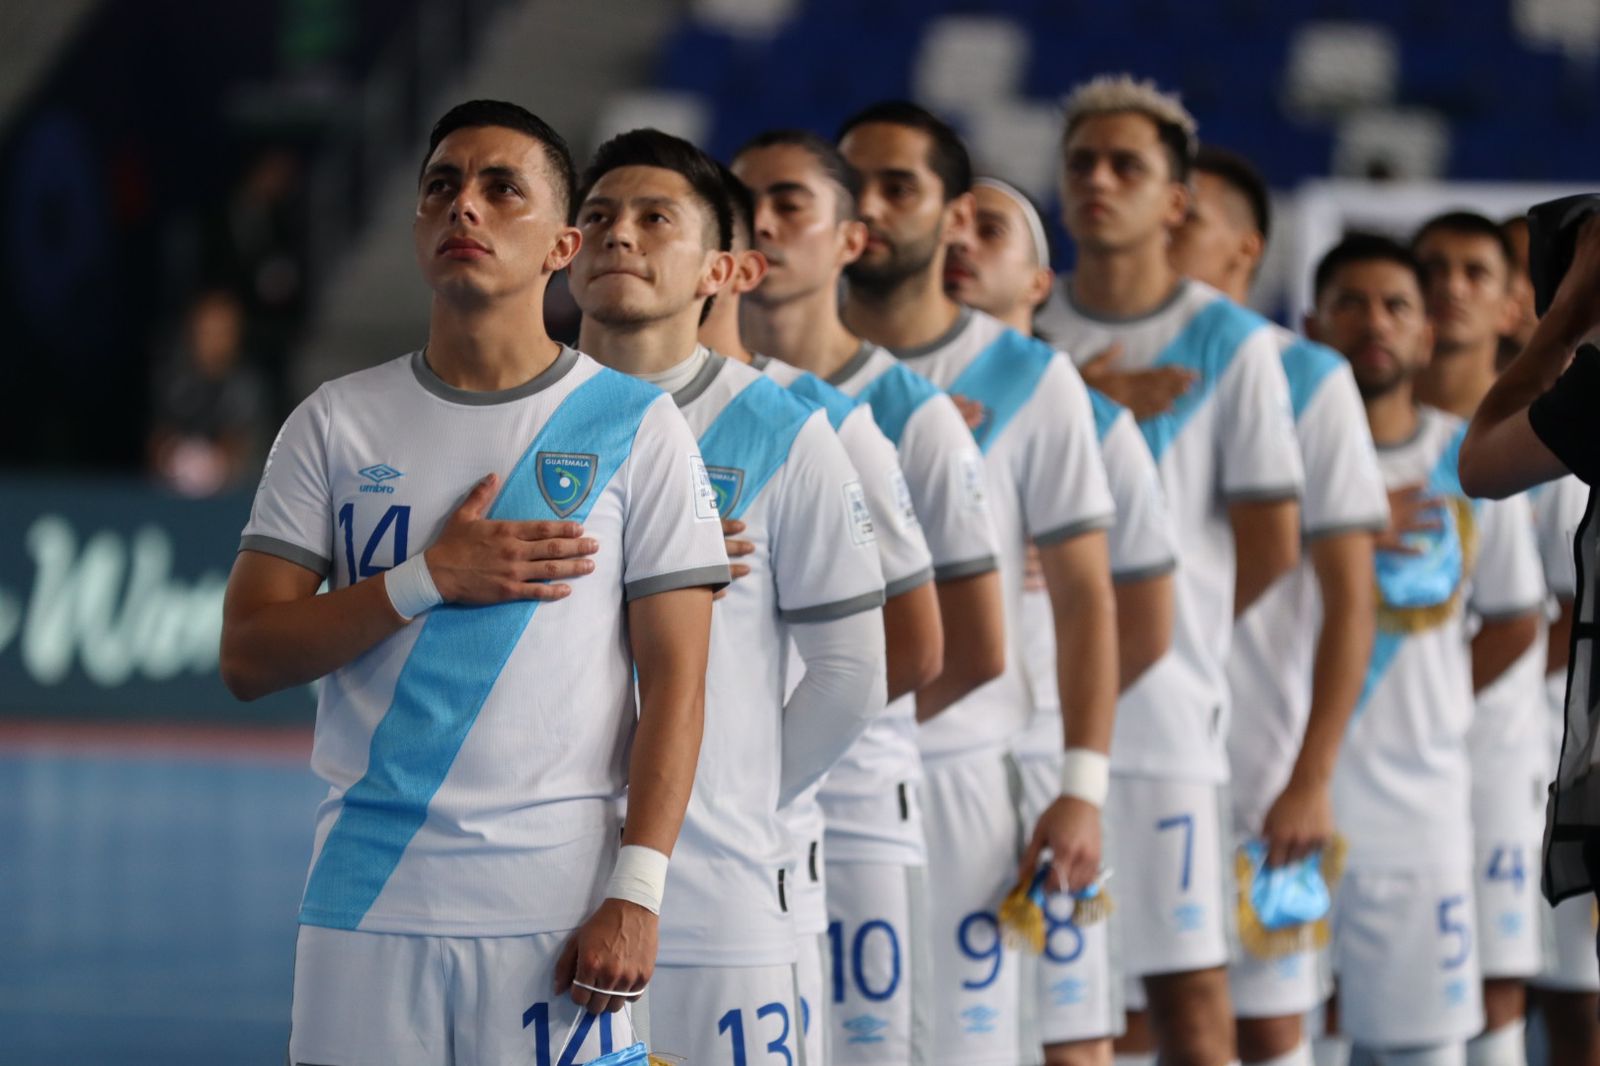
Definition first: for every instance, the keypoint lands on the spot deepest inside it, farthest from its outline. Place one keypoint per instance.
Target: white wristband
(1086, 775)
(410, 587)
(640, 876)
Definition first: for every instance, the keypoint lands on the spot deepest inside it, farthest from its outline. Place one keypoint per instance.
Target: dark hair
(826, 155)
(741, 204)
(477, 113)
(947, 156)
(1363, 248)
(653, 148)
(1467, 224)
(1242, 176)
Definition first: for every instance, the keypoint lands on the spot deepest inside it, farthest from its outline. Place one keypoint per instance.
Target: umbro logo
(979, 1019)
(1069, 992)
(377, 475)
(866, 1029)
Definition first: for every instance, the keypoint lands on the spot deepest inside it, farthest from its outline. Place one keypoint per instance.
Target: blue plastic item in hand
(1288, 895)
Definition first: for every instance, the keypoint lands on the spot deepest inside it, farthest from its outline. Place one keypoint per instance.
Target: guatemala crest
(565, 479)
(727, 482)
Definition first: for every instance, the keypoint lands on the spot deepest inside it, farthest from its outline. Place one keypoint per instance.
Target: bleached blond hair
(1117, 94)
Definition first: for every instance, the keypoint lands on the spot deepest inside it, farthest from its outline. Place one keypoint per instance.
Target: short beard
(1373, 390)
(904, 263)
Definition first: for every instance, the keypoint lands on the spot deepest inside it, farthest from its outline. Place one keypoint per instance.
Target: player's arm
(277, 632)
(913, 640)
(1077, 573)
(1145, 609)
(841, 693)
(1499, 643)
(1266, 540)
(614, 951)
(1300, 821)
(1502, 454)
(972, 610)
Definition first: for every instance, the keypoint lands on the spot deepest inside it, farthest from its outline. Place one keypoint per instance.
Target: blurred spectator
(210, 406)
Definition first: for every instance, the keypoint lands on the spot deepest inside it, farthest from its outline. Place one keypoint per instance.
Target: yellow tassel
(1022, 919)
(1094, 910)
(665, 1060)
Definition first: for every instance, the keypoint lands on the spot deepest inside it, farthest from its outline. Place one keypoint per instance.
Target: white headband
(1041, 246)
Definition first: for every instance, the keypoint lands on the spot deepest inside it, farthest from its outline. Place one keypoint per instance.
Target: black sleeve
(1561, 417)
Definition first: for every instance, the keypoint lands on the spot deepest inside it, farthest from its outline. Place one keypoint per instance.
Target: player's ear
(1180, 202)
(752, 267)
(1253, 247)
(719, 270)
(1039, 287)
(852, 241)
(960, 217)
(565, 249)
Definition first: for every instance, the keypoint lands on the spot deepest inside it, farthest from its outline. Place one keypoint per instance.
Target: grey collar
(1111, 320)
(962, 318)
(759, 361)
(538, 383)
(853, 365)
(700, 382)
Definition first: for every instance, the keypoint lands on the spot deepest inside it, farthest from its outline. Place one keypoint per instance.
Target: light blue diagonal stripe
(1002, 378)
(1307, 365)
(814, 390)
(894, 396)
(754, 434)
(1207, 346)
(1443, 480)
(452, 668)
(1106, 412)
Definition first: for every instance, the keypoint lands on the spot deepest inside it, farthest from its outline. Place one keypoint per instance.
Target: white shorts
(726, 1015)
(1172, 882)
(1510, 934)
(973, 846)
(1405, 950)
(1076, 984)
(812, 961)
(882, 973)
(1569, 943)
(388, 999)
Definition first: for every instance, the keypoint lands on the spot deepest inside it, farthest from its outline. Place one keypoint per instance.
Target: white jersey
(466, 798)
(776, 465)
(1046, 482)
(943, 467)
(1401, 790)
(1274, 644)
(1230, 438)
(1141, 546)
(861, 826)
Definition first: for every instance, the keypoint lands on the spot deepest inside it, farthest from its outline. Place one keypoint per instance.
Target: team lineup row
(974, 665)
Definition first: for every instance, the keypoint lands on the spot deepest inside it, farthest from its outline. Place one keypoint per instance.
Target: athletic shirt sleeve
(672, 535)
(902, 548)
(292, 516)
(1558, 510)
(1561, 416)
(1260, 456)
(1141, 542)
(1062, 477)
(949, 489)
(1506, 580)
(1344, 487)
(824, 546)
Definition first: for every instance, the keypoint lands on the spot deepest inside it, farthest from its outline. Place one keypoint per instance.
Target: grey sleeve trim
(1368, 525)
(282, 549)
(1074, 529)
(827, 612)
(1506, 614)
(969, 568)
(1263, 495)
(906, 584)
(717, 577)
(1143, 573)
